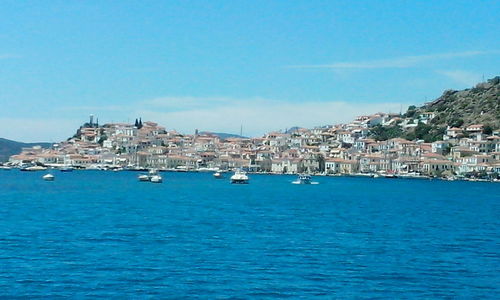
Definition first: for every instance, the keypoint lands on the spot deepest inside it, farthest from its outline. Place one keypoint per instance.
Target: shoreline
(355, 175)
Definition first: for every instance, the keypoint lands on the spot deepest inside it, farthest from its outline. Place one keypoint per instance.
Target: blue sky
(216, 65)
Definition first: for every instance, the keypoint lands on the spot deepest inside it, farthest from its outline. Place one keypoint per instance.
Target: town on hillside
(471, 151)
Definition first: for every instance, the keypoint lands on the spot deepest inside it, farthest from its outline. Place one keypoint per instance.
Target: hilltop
(478, 105)
(9, 147)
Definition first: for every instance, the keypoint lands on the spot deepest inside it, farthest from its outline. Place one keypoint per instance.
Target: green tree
(456, 122)
(410, 112)
(102, 139)
(488, 129)
(383, 133)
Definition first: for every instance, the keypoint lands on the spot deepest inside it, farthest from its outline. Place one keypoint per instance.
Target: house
(474, 163)
(313, 163)
(362, 144)
(332, 165)
(287, 165)
(370, 163)
(461, 151)
(434, 166)
(374, 120)
(440, 147)
(425, 117)
(343, 166)
(452, 133)
(475, 128)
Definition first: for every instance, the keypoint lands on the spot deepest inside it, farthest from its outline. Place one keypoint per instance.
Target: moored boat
(390, 175)
(218, 175)
(48, 177)
(143, 177)
(303, 179)
(239, 177)
(156, 179)
(66, 169)
(34, 168)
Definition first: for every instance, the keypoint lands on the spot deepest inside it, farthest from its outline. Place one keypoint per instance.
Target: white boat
(156, 179)
(181, 169)
(5, 168)
(66, 169)
(35, 168)
(390, 175)
(362, 175)
(239, 177)
(218, 175)
(304, 179)
(143, 177)
(48, 177)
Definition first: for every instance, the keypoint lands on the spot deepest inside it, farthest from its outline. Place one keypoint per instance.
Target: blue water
(104, 234)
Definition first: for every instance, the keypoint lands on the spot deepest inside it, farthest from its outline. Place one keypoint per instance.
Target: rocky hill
(478, 105)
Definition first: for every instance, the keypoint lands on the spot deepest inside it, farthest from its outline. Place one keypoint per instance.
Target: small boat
(362, 175)
(48, 177)
(390, 175)
(66, 169)
(239, 177)
(5, 168)
(218, 175)
(143, 177)
(412, 176)
(304, 179)
(34, 168)
(156, 179)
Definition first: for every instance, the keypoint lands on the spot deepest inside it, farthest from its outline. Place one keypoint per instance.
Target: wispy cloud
(257, 115)
(38, 130)
(397, 62)
(218, 114)
(462, 77)
(185, 103)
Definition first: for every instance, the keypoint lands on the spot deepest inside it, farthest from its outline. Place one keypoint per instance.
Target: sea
(102, 234)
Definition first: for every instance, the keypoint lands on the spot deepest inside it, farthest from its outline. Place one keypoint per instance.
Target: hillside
(478, 105)
(8, 148)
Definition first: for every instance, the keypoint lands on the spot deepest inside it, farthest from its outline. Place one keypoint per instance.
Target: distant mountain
(8, 148)
(224, 135)
(292, 129)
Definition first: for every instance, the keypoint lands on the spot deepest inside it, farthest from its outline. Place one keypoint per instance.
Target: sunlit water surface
(105, 234)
